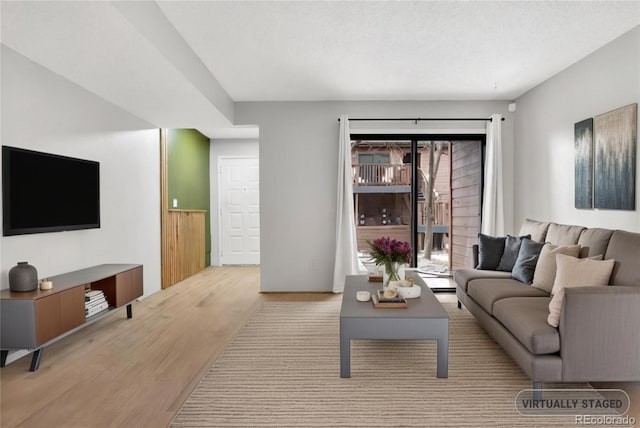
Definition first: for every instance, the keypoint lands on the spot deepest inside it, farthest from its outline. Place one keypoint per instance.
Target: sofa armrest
(600, 334)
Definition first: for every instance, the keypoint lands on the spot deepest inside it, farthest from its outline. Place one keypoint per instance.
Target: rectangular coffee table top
(425, 306)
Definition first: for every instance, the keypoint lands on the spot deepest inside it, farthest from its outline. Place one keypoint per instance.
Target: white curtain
(492, 204)
(346, 262)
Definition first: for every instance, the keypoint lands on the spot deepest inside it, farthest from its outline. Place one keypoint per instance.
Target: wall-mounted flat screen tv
(43, 192)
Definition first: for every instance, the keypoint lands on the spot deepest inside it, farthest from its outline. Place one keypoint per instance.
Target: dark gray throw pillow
(510, 254)
(490, 249)
(527, 260)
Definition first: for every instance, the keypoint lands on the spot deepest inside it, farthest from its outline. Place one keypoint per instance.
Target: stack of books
(379, 301)
(94, 302)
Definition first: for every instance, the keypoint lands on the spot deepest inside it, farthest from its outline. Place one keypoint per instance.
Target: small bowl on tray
(407, 289)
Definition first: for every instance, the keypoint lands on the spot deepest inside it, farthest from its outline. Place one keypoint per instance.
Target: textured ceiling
(390, 50)
(185, 63)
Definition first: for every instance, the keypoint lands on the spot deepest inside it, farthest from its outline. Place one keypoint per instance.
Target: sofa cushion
(624, 247)
(563, 234)
(510, 254)
(537, 229)
(527, 260)
(526, 319)
(545, 273)
(485, 292)
(594, 242)
(490, 249)
(574, 272)
(462, 277)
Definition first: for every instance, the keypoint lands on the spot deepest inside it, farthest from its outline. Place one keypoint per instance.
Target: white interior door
(239, 211)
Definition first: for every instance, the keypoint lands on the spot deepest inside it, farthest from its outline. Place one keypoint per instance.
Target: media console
(35, 319)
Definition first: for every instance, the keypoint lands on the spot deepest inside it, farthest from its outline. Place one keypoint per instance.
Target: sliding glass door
(405, 187)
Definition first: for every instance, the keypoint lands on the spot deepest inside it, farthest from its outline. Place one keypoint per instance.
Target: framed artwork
(583, 135)
(614, 168)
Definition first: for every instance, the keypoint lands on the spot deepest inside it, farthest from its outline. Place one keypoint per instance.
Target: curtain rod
(419, 119)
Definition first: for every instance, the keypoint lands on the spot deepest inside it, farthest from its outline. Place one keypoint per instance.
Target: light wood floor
(138, 372)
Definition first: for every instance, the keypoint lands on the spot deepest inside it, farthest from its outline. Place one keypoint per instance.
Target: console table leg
(35, 360)
(129, 311)
(3, 358)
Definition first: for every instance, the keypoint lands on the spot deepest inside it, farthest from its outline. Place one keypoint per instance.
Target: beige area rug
(283, 369)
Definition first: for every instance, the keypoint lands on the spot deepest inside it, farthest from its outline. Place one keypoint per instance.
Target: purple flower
(386, 250)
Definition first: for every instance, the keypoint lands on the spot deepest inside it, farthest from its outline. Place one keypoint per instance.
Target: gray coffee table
(424, 319)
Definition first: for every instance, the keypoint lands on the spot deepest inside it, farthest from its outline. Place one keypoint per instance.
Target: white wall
(45, 112)
(544, 134)
(298, 179)
(242, 148)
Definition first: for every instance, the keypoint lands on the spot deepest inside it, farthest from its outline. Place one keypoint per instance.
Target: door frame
(165, 267)
(219, 201)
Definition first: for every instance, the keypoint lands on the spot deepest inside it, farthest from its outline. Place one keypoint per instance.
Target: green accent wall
(188, 175)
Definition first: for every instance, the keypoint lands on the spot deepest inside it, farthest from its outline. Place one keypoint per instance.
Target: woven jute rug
(283, 369)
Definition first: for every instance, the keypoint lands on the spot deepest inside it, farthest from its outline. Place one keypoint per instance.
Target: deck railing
(381, 174)
(440, 214)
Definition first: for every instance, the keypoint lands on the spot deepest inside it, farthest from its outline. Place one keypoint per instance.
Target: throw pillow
(537, 229)
(574, 272)
(511, 250)
(525, 264)
(545, 273)
(563, 234)
(490, 249)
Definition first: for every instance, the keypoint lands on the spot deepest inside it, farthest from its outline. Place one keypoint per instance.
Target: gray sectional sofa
(598, 337)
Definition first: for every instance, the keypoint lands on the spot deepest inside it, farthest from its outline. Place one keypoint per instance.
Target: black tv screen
(43, 192)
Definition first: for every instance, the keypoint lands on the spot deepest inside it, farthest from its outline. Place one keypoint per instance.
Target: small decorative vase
(23, 277)
(393, 272)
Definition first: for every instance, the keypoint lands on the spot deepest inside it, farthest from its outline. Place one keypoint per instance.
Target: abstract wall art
(614, 169)
(583, 133)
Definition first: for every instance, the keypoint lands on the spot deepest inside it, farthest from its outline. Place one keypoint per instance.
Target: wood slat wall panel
(471, 232)
(461, 163)
(469, 170)
(459, 253)
(185, 245)
(467, 221)
(465, 211)
(461, 234)
(465, 241)
(164, 211)
(466, 201)
(462, 262)
(466, 191)
(466, 196)
(464, 149)
(466, 181)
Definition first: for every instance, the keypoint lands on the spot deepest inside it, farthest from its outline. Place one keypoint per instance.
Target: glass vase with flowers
(393, 255)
